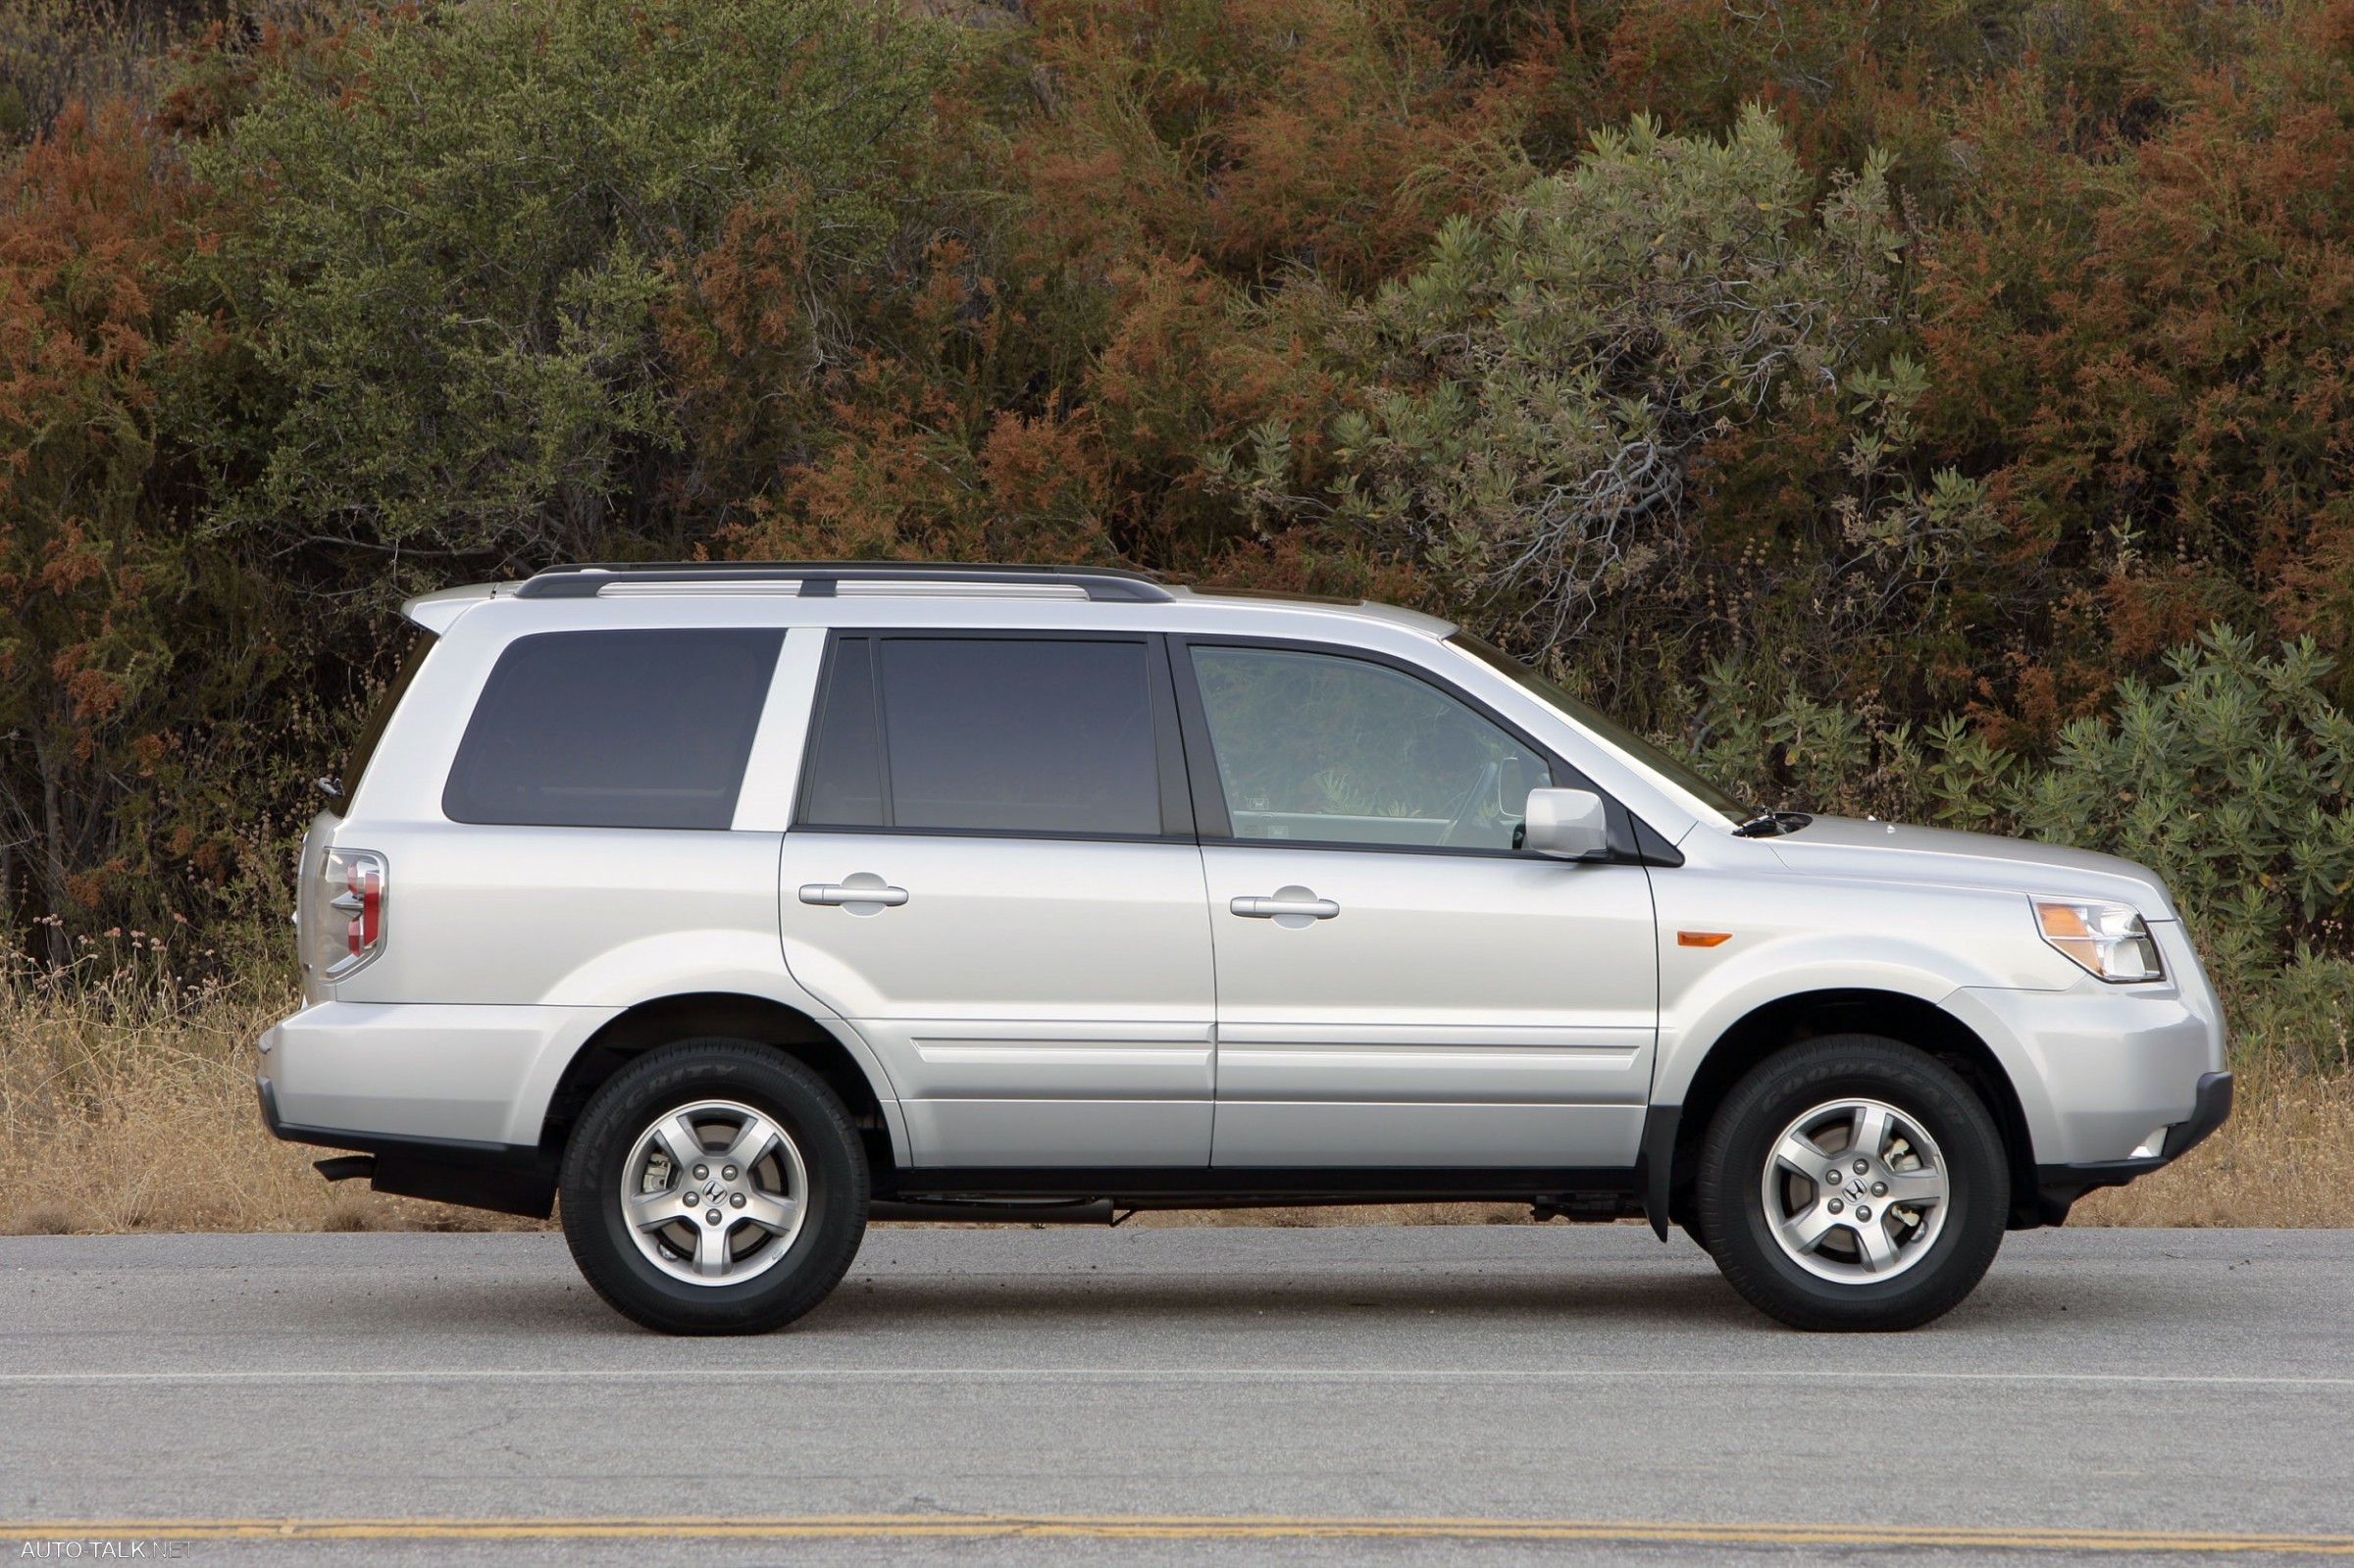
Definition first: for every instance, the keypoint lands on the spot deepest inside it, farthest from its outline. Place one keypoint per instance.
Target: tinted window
(991, 735)
(846, 772)
(614, 730)
(1338, 750)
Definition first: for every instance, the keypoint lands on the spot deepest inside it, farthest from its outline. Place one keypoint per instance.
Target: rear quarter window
(614, 730)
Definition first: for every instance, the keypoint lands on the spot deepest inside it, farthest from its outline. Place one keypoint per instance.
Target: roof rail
(817, 578)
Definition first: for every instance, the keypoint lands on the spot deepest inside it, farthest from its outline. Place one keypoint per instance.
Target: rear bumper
(462, 1074)
(2059, 1186)
(448, 1099)
(507, 1178)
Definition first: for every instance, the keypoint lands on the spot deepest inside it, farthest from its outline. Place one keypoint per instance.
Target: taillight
(351, 930)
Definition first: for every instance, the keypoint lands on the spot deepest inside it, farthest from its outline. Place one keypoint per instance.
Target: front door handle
(1291, 905)
(861, 893)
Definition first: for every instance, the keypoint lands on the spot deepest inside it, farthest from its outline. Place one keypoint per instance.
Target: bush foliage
(1892, 405)
(2233, 778)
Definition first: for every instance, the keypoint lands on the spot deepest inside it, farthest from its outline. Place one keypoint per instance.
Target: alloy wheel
(714, 1193)
(1854, 1191)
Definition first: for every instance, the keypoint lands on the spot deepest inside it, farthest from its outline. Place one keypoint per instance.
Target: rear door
(1397, 984)
(993, 877)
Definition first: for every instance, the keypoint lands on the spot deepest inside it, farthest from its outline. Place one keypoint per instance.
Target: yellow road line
(1125, 1527)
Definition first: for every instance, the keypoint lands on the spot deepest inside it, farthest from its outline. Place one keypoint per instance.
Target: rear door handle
(1277, 907)
(863, 889)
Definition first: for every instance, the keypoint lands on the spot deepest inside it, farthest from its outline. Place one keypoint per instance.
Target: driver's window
(1323, 748)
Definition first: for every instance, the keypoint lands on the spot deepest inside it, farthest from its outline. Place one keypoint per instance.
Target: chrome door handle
(843, 893)
(1278, 907)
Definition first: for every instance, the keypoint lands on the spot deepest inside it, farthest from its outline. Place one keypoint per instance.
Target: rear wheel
(1853, 1182)
(714, 1187)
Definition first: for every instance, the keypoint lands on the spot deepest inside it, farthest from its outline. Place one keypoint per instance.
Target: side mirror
(1566, 824)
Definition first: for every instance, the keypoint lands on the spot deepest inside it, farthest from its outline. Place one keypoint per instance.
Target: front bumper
(2099, 1070)
(2059, 1186)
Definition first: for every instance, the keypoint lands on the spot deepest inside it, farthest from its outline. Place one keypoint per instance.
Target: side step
(1000, 1211)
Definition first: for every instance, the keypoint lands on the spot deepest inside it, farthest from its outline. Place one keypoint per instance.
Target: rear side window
(845, 782)
(614, 730)
(986, 735)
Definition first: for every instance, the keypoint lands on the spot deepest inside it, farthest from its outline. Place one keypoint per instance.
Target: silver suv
(739, 904)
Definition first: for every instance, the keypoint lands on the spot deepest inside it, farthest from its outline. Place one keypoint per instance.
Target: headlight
(2106, 939)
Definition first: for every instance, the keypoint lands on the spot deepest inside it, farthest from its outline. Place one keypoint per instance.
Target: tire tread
(716, 1066)
(1977, 1173)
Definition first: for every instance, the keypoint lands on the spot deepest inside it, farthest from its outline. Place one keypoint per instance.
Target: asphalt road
(1479, 1394)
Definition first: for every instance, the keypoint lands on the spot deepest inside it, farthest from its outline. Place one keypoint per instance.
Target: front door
(1397, 984)
(993, 878)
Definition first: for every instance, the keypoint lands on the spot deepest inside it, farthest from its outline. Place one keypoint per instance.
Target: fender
(723, 961)
(1709, 1008)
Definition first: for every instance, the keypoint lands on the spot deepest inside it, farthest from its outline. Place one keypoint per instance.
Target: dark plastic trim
(1252, 1185)
(1652, 848)
(819, 578)
(444, 1150)
(504, 1178)
(1054, 1211)
(1656, 1164)
(2211, 1107)
(2058, 1186)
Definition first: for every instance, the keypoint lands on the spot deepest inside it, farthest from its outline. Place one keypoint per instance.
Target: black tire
(1731, 1203)
(834, 1211)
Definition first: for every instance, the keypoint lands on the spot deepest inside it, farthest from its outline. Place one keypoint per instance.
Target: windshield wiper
(1773, 824)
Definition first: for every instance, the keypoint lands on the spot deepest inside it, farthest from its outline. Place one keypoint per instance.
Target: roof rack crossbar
(818, 577)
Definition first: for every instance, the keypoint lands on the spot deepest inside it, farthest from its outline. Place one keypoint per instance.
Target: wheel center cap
(1856, 1190)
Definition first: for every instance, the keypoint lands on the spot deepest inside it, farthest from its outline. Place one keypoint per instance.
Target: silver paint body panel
(1036, 1001)
(1041, 1001)
(1459, 1010)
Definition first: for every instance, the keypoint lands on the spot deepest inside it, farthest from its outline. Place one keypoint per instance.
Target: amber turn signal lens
(2063, 921)
(1702, 938)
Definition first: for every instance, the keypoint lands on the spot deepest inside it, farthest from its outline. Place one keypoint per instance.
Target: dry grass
(127, 1104)
(2285, 1159)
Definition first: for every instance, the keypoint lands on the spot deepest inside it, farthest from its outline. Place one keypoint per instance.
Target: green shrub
(2300, 1019)
(463, 222)
(1531, 400)
(2230, 779)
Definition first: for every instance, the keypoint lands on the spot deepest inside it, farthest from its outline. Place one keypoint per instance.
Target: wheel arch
(761, 1020)
(1792, 1020)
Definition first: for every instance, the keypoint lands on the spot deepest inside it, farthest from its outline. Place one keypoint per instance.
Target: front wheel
(714, 1187)
(1853, 1182)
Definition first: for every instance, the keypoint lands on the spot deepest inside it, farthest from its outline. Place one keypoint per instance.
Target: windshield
(1668, 766)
